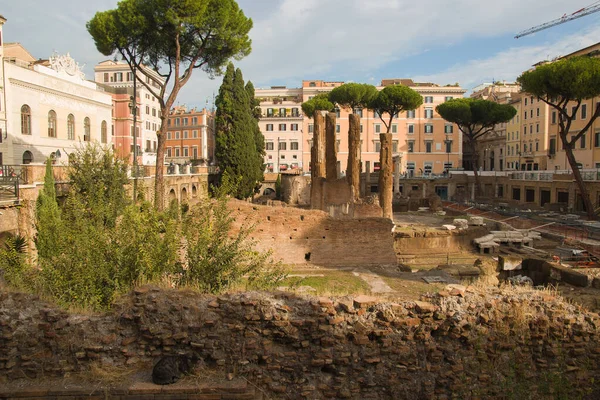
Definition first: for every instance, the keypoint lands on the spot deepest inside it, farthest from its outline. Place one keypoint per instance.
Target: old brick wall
(297, 236)
(494, 344)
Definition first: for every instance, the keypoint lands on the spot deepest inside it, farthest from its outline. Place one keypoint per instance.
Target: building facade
(117, 74)
(423, 142)
(48, 108)
(190, 136)
(513, 133)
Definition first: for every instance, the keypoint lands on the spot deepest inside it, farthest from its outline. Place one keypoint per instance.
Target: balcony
(277, 116)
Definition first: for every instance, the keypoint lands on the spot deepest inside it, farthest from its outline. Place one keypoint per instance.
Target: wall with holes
(299, 236)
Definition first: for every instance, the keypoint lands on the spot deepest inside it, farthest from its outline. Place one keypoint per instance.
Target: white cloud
(312, 39)
(509, 64)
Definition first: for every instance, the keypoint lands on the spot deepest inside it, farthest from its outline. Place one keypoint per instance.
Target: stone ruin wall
(297, 236)
(496, 345)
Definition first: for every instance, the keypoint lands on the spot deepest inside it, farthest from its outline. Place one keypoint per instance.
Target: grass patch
(327, 282)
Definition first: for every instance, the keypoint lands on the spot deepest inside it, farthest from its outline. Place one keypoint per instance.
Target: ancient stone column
(397, 176)
(318, 159)
(385, 175)
(353, 169)
(367, 182)
(331, 147)
(317, 162)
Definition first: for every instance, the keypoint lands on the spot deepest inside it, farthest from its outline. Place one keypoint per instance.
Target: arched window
(103, 133)
(71, 127)
(27, 157)
(25, 120)
(86, 129)
(51, 123)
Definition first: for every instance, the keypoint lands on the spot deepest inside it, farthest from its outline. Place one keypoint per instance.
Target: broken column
(331, 147)
(353, 169)
(397, 175)
(385, 175)
(317, 161)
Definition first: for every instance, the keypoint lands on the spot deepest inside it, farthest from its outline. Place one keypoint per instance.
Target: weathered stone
(364, 301)
(331, 147)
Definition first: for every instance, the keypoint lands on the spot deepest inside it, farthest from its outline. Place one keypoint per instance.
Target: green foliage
(574, 78)
(475, 117)
(215, 260)
(48, 220)
(13, 265)
(392, 100)
(239, 142)
(318, 103)
(353, 95)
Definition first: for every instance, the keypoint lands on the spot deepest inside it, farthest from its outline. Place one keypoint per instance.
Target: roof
(584, 51)
(17, 51)
(2, 18)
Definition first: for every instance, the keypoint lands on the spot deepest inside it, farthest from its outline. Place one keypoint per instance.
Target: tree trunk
(475, 162)
(585, 195)
(331, 147)
(385, 175)
(353, 169)
(159, 179)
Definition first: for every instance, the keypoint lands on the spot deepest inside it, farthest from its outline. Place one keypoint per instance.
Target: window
(394, 128)
(411, 128)
(448, 98)
(411, 146)
(448, 146)
(554, 117)
(530, 128)
(294, 127)
(295, 112)
(337, 128)
(428, 146)
(269, 145)
(428, 99)
(525, 115)
(427, 168)
(361, 128)
(448, 128)
(552, 147)
(428, 113)
(282, 127)
(185, 122)
(294, 146)
(359, 112)
(168, 135)
(106, 77)
(311, 128)
(177, 121)
(395, 146)
(148, 148)
(537, 128)
(154, 113)
(377, 128)
(583, 111)
(582, 142)
(25, 120)
(282, 146)
(428, 128)
(525, 102)
(195, 134)
(269, 112)
(103, 132)
(377, 147)
(177, 135)
(597, 139)
(337, 112)
(410, 114)
(186, 151)
(531, 113)
(269, 127)
(51, 123)
(177, 151)
(195, 121)
(537, 146)
(185, 134)
(538, 112)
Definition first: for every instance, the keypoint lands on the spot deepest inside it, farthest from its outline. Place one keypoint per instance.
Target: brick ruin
(299, 236)
(493, 343)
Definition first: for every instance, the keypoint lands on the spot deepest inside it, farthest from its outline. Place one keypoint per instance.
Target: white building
(281, 125)
(118, 74)
(47, 108)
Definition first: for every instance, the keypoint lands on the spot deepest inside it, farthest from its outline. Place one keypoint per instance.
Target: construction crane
(592, 8)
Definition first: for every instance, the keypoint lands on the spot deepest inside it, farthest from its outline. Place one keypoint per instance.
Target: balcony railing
(281, 116)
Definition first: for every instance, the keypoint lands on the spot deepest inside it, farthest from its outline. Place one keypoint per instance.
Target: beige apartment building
(587, 150)
(190, 136)
(118, 75)
(513, 135)
(423, 142)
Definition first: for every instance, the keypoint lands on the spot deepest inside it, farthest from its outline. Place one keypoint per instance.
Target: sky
(445, 42)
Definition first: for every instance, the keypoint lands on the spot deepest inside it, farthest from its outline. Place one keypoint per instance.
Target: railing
(549, 176)
(281, 116)
(11, 176)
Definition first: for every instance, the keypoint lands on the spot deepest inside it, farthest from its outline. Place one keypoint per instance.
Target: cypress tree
(238, 146)
(48, 219)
